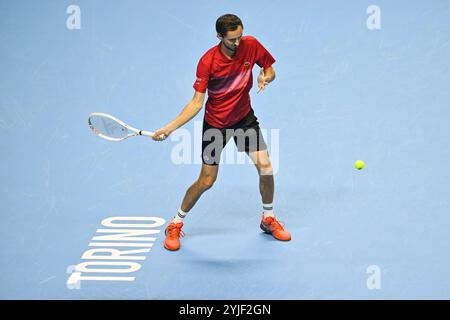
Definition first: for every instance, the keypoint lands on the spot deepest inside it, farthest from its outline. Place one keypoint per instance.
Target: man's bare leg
(265, 171)
(208, 175)
(205, 181)
(269, 223)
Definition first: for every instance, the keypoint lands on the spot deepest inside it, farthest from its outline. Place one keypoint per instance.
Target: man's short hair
(227, 22)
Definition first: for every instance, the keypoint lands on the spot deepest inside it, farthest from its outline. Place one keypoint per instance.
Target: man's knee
(262, 163)
(265, 169)
(206, 182)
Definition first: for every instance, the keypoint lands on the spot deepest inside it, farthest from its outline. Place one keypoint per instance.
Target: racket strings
(108, 127)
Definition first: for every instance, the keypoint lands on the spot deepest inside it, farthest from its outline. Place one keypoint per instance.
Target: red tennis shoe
(272, 226)
(173, 232)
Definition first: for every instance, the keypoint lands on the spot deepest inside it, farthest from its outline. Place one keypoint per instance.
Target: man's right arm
(189, 111)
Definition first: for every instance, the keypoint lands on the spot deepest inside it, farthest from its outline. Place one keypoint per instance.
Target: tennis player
(226, 71)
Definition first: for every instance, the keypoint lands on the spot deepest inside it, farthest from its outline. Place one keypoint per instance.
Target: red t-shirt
(229, 81)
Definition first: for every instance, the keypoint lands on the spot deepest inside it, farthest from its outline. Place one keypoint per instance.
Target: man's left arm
(269, 74)
(265, 77)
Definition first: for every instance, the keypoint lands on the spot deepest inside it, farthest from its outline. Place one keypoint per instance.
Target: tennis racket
(111, 128)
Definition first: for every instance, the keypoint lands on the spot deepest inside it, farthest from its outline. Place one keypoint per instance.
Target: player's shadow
(269, 237)
(230, 264)
(231, 257)
(208, 231)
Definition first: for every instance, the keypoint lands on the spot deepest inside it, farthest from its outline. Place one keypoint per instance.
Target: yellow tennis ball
(359, 164)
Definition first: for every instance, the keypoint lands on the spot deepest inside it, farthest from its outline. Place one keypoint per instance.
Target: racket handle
(146, 133)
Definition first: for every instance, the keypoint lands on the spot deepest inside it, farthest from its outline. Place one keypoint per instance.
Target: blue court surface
(354, 80)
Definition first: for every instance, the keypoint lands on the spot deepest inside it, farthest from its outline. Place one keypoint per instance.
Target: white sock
(179, 217)
(268, 210)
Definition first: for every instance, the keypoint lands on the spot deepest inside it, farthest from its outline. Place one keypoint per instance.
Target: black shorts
(246, 134)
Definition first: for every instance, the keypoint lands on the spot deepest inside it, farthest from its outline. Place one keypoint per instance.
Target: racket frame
(128, 127)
